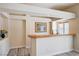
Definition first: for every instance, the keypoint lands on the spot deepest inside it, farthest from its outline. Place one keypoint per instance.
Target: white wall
(30, 27)
(16, 31)
(4, 43)
(37, 19)
(1, 22)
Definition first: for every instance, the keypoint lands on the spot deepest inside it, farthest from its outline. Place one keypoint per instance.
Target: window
(63, 28)
(60, 28)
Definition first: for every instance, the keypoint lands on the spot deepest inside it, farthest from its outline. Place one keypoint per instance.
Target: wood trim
(44, 36)
(38, 36)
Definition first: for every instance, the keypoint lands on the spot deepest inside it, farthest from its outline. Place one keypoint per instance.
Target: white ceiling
(58, 6)
(36, 11)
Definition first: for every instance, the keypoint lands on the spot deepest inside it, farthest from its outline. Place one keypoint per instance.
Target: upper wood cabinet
(73, 26)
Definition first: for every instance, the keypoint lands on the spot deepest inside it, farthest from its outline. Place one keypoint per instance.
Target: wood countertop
(43, 36)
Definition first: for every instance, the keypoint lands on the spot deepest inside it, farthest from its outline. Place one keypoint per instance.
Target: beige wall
(75, 9)
(75, 25)
(16, 33)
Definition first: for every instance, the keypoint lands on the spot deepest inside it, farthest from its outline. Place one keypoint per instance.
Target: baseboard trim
(61, 52)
